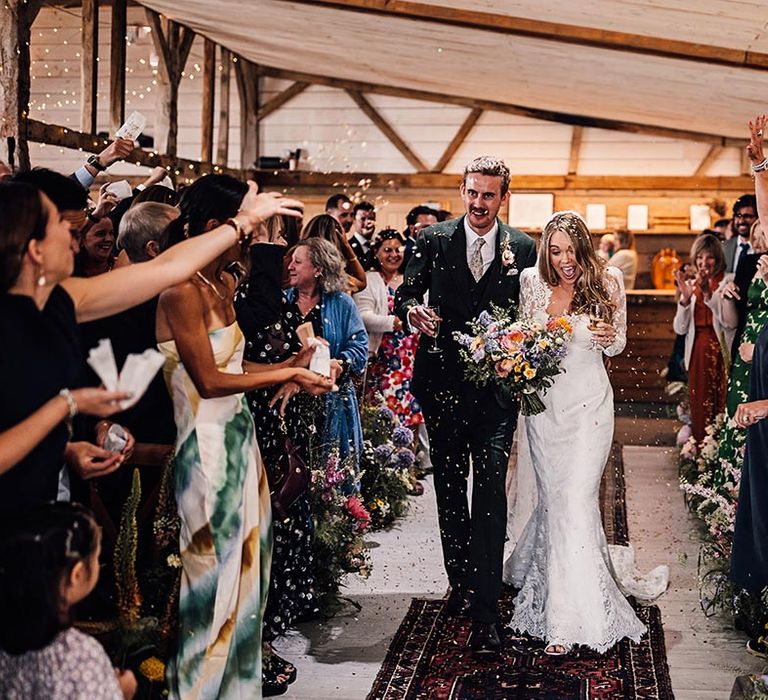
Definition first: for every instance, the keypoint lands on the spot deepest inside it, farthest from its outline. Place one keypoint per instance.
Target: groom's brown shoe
(485, 639)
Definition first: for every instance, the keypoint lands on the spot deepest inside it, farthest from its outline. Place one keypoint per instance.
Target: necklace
(210, 284)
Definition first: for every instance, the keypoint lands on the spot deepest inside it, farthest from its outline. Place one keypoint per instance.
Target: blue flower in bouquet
(402, 437)
(404, 459)
(484, 318)
(382, 453)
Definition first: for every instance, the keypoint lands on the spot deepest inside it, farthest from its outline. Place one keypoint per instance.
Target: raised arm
(120, 289)
(755, 153)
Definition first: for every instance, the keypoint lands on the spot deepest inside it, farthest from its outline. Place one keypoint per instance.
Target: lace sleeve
(615, 285)
(533, 298)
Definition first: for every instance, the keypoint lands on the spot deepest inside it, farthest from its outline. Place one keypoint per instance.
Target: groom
(466, 265)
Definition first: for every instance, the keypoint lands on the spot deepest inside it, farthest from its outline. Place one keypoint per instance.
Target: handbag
(291, 477)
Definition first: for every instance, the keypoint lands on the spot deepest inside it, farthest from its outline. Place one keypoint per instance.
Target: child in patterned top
(49, 561)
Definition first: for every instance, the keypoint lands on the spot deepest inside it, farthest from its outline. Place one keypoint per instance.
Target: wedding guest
(606, 247)
(416, 221)
(97, 248)
(49, 562)
(317, 295)
(363, 226)
(698, 316)
(70, 198)
(744, 215)
(749, 554)
(625, 256)
(742, 303)
(391, 349)
(40, 307)
(339, 206)
(723, 230)
(221, 492)
(328, 228)
(271, 337)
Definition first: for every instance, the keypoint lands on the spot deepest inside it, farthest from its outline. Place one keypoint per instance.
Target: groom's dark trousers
(465, 421)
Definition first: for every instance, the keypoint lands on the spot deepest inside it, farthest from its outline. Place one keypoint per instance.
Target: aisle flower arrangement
(385, 479)
(521, 357)
(711, 487)
(341, 520)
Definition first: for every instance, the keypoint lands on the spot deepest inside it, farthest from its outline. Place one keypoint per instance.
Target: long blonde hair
(589, 287)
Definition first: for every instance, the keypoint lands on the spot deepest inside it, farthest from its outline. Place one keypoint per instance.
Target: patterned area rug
(429, 658)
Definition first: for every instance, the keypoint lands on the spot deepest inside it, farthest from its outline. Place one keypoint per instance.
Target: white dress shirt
(363, 241)
(488, 251)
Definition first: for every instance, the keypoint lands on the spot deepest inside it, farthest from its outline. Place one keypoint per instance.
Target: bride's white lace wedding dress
(571, 586)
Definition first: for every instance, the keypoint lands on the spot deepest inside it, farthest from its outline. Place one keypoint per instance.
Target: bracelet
(759, 167)
(244, 237)
(66, 394)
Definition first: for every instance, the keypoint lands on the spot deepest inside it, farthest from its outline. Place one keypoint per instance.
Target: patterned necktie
(476, 259)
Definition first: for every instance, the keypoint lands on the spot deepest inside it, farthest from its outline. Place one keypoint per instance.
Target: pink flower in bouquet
(511, 341)
(477, 344)
(504, 367)
(358, 511)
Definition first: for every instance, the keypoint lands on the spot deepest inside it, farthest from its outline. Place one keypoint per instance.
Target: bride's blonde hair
(589, 287)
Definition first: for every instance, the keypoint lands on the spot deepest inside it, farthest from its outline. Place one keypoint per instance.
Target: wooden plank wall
(636, 373)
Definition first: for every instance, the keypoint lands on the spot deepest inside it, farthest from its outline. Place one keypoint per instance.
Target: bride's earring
(41, 280)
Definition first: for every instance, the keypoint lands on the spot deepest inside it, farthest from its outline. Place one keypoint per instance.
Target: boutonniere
(507, 258)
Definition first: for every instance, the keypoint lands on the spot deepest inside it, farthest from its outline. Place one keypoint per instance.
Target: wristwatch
(94, 162)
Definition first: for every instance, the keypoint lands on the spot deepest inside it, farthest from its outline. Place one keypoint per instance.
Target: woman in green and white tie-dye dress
(221, 489)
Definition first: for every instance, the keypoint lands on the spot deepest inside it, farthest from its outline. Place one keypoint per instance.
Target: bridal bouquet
(522, 357)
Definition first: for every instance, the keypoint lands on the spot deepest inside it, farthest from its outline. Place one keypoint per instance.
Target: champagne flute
(597, 313)
(435, 311)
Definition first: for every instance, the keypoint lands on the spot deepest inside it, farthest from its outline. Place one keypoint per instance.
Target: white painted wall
(326, 124)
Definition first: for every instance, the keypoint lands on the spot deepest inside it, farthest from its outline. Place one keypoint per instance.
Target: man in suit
(363, 226)
(460, 264)
(744, 215)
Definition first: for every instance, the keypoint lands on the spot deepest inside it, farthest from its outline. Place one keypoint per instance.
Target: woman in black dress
(749, 556)
(269, 325)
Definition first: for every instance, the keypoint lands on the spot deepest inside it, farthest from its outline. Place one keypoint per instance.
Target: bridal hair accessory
(559, 214)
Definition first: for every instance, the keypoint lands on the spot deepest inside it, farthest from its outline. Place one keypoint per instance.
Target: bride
(571, 588)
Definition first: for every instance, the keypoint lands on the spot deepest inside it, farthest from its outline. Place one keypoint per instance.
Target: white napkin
(138, 370)
(321, 358)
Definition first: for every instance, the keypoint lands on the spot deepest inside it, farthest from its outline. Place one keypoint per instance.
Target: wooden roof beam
(281, 98)
(503, 107)
(455, 144)
(386, 129)
(711, 156)
(551, 31)
(576, 139)
(287, 180)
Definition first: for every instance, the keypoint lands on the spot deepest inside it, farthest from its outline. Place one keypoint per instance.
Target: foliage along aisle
(710, 473)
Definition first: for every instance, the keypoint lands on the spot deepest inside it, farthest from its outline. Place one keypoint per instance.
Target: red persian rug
(428, 657)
